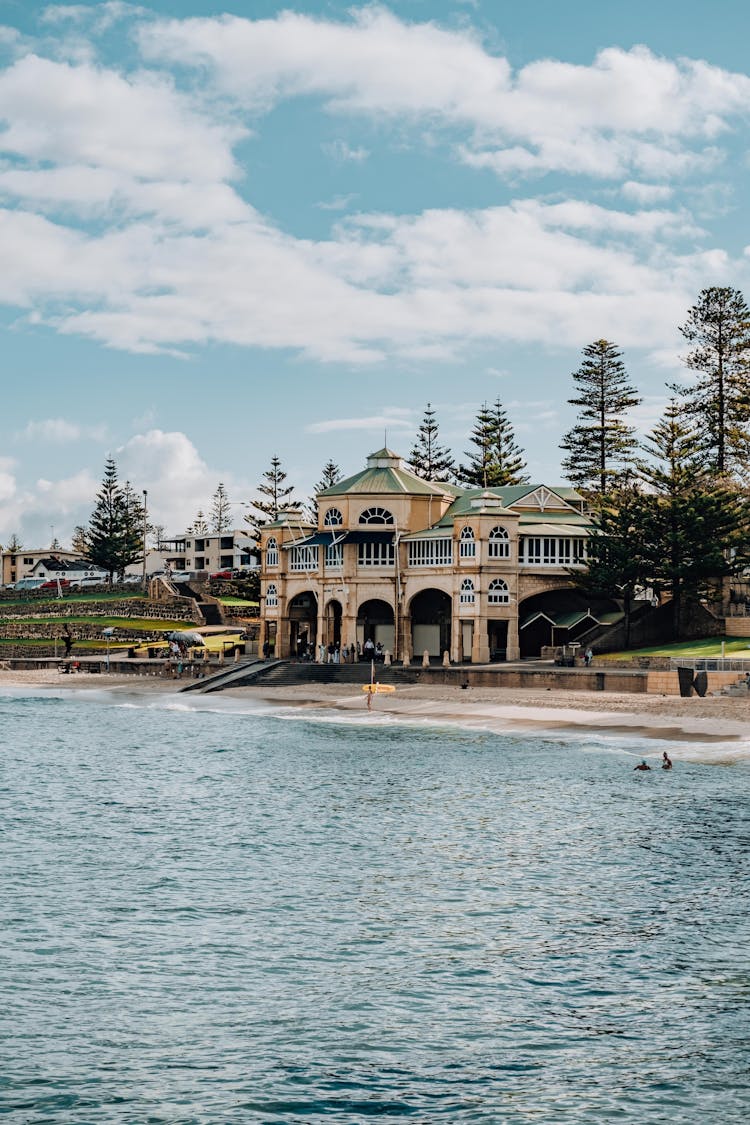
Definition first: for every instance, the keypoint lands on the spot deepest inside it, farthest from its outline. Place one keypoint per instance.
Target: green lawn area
(238, 601)
(71, 599)
(80, 646)
(706, 647)
(151, 623)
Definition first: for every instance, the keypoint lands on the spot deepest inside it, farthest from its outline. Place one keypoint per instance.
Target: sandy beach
(708, 720)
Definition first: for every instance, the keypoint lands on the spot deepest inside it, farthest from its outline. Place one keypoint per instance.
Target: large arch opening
(561, 617)
(375, 623)
(431, 622)
(303, 625)
(333, 623)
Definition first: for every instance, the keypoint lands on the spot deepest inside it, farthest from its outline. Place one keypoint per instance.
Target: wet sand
(718, 719)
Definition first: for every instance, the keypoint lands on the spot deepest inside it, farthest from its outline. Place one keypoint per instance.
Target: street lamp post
(145, 528)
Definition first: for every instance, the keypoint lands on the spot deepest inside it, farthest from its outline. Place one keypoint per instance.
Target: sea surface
(220, 913)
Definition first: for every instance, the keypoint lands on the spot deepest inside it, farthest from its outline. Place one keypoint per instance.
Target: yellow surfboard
(378, 689)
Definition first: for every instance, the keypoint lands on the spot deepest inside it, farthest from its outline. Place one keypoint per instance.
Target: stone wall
(667, 683)
(179, 609)
(737, 626)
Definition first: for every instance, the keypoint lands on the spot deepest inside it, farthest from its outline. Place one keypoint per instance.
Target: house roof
(386, 474)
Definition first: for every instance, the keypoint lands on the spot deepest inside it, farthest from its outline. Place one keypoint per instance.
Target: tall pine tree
(115, 533)
(273, 495)
(428, 459)
(718, 327)
(331, 475)
(601, 447)
(619, 555)
(699, 524)
(221, 510)
(496, 460)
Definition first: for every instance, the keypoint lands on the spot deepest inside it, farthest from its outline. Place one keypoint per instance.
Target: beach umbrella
(186, 636)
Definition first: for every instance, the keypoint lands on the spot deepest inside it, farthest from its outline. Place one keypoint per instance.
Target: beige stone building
(417, 566)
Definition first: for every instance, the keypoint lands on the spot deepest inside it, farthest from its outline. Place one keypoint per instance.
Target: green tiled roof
(382, 480)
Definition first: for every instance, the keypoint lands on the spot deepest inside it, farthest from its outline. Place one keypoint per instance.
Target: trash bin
(599, 681)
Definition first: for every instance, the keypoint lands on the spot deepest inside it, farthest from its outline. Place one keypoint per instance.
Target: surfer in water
(666, 761)
(643, 766)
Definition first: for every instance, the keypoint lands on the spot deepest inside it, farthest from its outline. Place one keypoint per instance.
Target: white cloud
(338, 203)
(123, 222)
(626, 110)
(343, 153)
(643, 194)
(87, 116)
(60, 430)
(178, 480)
(394, 419)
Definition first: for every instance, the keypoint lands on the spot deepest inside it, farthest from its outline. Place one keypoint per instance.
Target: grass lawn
(238, 601)
(79, 647)
(71, 599)
(737, 647)
(152, 623)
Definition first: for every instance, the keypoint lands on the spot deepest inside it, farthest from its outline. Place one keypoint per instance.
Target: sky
(243, 230)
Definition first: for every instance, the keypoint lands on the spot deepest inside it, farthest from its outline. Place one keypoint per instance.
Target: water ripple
(210, 917)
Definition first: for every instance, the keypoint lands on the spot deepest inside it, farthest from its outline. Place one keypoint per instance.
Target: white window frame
(304, 558)
(549, 550)
(272, 596)
(467, 543)
(333, 518)
(430, 552)
(467, 595)
(376, 554)
(498, 543)
(334, 556)
(498, 592)
(272, 552)
(376, 516)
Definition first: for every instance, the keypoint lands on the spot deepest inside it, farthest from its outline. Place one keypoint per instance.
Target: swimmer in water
(667, 761)
(643, 766)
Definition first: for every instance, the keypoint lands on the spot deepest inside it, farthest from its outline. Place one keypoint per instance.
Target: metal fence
(714, 664)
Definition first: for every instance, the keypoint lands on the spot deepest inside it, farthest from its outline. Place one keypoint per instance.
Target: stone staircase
(281, 673)
(738, 690)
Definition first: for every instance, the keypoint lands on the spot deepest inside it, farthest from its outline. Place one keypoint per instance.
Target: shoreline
(710, 721)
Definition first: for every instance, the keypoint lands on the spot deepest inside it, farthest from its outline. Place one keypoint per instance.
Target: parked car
(55, 583)
(26, 584)
(227, 572)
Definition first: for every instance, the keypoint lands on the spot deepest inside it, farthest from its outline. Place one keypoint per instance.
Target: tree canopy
(496, 459)
(428, 459)
(601, 447)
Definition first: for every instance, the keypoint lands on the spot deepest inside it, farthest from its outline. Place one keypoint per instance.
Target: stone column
(513, 651)
(480, 648)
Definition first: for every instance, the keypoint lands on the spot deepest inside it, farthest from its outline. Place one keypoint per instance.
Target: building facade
(421, 567)
(210, 551)
(20, 564)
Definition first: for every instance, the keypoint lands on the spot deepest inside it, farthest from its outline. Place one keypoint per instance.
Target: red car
(227, 572)
(53, 583)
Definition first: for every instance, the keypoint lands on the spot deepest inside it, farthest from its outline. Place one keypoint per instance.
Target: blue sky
(233, 231)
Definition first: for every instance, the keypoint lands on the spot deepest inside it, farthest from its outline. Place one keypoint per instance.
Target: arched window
(333, 518)
(499, 543)
(272, 552)
(272, 596)
(467, 547)
(376, 515)
(467, 592)
(497, 593)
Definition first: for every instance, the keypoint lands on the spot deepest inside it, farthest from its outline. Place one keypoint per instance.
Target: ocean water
(219, 913)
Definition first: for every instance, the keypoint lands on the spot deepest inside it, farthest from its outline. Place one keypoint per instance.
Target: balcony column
(513, 648)
(480, 648)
